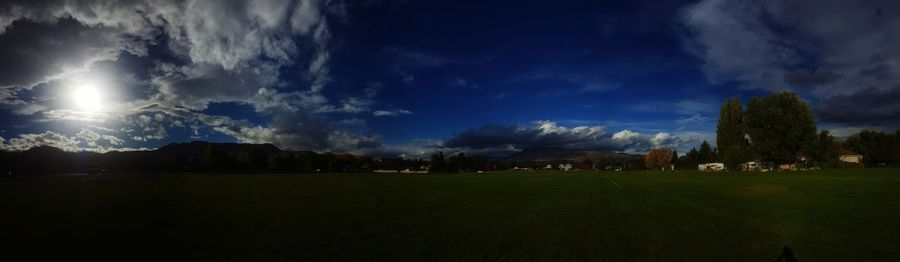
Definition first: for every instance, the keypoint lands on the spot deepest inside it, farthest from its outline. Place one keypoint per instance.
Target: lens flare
(87, 98)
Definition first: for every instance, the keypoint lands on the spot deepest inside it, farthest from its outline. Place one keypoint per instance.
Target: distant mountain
(199, 156)
(198, 147)
(192, 156)
(558, 153)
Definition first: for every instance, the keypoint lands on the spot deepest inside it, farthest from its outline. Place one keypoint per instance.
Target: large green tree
(731, 137)
(706, 154)
(780, 126)
(674, 158)
(824, 150)
(437, 162)
(689, 161)
(877, 148)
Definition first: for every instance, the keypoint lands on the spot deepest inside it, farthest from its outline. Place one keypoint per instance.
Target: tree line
(193, 157)
(781, 128)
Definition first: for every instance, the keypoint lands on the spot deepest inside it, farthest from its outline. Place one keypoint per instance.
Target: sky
(408, 78)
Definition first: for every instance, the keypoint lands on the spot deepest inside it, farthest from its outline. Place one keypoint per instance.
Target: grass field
(828, 215)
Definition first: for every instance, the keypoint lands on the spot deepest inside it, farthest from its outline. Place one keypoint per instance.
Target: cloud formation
(836, 52)
(85, 140)
(550, 134)
(393, 112)
(214, 52)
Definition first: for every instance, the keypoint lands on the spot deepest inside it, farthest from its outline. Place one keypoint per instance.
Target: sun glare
(87, 98)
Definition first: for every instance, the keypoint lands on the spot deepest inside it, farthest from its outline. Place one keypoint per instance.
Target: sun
(87, 98)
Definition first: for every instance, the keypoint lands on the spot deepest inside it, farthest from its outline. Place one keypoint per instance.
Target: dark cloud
(299, 130)
(761, 44)
(870, 107)
(36, 52)
(807, 78)
(198, 85)
(495, 135)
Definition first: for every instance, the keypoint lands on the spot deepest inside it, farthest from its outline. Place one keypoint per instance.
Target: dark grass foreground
(832, 215)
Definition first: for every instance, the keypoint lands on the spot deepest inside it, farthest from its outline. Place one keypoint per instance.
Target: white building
(850, 156)
(757, 166)
(565, 166)
(711, 167)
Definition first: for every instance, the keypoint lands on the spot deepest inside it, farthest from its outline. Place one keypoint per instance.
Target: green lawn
(829, 215)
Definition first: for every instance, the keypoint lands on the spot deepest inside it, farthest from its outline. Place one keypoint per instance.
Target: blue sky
(406, 78)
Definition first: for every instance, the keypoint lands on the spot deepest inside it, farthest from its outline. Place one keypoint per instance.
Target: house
(565, 166)
(787, 167)
(757, 166)
(850, 156)
(750, 166)
(802, 158)
(711, 167)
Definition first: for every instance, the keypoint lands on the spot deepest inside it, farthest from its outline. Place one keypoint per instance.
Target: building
(711, 167)
(787, 167)
(757, 166)
(565, 166)
(848, 156)
(750, 166)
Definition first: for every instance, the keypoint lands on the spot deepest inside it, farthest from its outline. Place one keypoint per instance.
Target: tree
(437, 162)
(731, 135)
(463, 164)
(689, 161)
(608, 163)
(658, 159)
(824, 150)
(306, 161)
(214, 158)
(456, 163)
(736, 156)
(779, 126)
(258, 158)
(674, 158)
(705, 155)
(897, 147)
(877, 148)
(634, 163)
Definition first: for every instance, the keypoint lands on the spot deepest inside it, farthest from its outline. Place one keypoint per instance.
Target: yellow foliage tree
(658, 159)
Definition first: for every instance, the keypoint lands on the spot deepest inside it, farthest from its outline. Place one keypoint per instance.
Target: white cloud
(49, 138)
(500, 138)
(92, 138)
(94, 142)
(235, 47)
(393, 112)
(660, 138)
(625, 134)
(355, 105)
(226, 51)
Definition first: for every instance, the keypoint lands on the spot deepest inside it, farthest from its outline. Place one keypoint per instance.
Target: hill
(558, 153)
